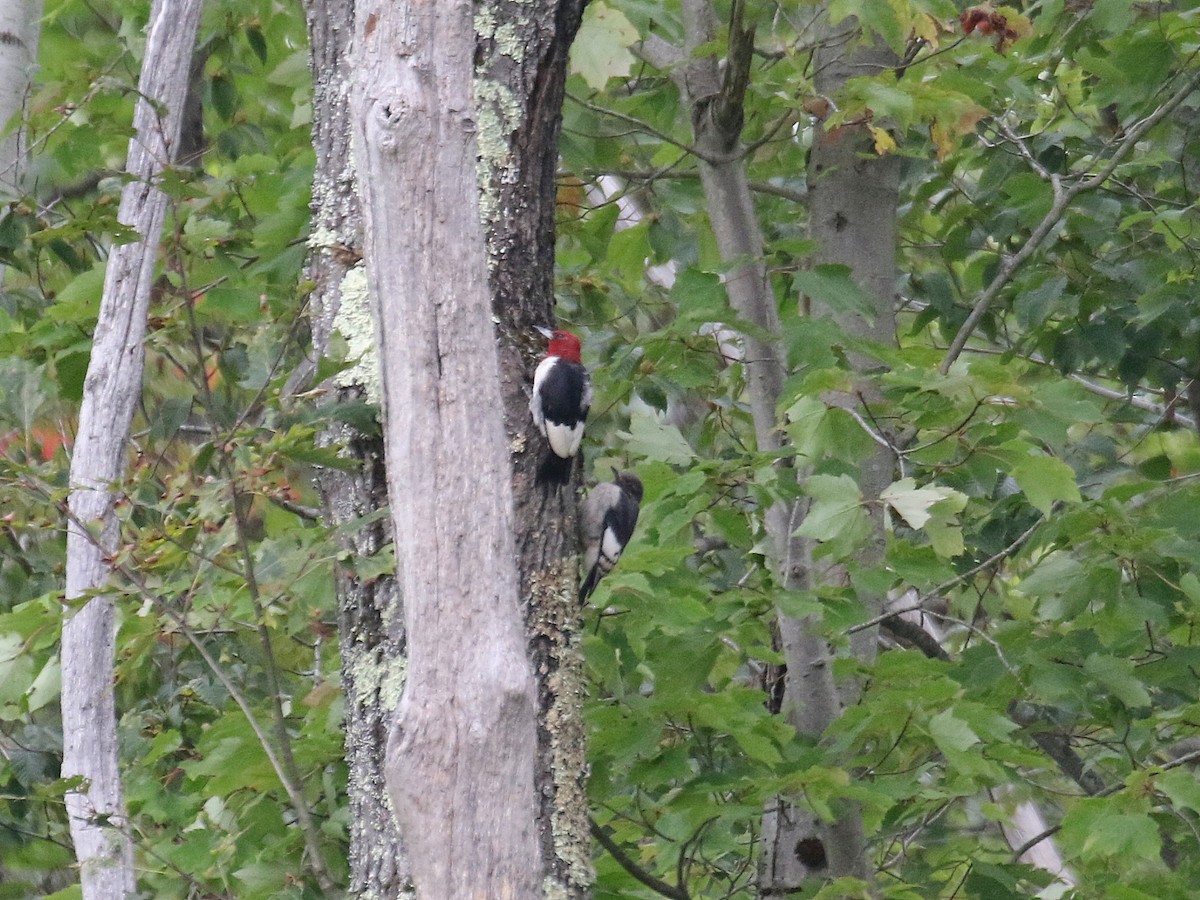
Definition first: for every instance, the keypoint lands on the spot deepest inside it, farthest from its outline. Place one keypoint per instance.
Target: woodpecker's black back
(563, 393)
(562, 396)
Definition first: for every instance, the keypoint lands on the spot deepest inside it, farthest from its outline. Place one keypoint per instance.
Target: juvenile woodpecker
(562, 395)
(610, 514)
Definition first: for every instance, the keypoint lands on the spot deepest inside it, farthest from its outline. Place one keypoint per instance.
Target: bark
(461, 759)
(111, 390)
(520, 75)
(370, 617)
(19, 28)
(20, 22)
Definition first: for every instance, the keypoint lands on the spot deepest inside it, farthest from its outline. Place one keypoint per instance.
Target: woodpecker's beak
(544, 332)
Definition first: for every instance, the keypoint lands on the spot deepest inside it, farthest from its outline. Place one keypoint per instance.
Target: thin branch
(1057, 746)
(922, 599)
(1062, 200)
(1160, 410)
(1034, 841)
(639, 124)
(626, 863)
(759, 187)
(915, 635)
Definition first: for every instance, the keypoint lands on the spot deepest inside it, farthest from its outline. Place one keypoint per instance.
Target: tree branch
(915, 635)
(1062, 201)
(640, 125)
(922, 599)
(650, 881)
(659, 52)
(759, 187)
(1057, 746)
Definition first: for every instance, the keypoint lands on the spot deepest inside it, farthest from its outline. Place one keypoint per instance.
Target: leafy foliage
(1043, 515)
(1039, 515)
(220, 552)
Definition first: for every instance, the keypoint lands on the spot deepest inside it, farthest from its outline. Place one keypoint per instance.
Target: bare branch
(659, 52)
(1056, 745)
(626, 863)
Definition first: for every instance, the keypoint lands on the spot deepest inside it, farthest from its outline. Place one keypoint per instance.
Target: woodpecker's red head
(562, 344)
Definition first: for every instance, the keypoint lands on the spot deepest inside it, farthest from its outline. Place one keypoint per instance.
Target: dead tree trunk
(370, 615)
(19, 25)
(461, 760)
(111, 390)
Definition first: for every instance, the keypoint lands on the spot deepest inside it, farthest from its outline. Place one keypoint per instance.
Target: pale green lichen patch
(505, 35)
(498, 111)
(320, 238)
(564, 722)
(379, 678)
(555, 616)
(354, 323)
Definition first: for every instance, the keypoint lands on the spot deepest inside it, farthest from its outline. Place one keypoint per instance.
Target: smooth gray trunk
(98, 463)
(852, 217)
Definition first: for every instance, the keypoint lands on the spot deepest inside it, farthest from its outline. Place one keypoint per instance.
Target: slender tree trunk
(20, 22)
(520, 74)
(796, 844)
(461, 760)
(111, 390)
(852, 216)
(370, 615)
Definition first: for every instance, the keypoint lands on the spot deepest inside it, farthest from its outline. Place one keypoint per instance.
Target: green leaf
(836, 515)
(913, 503)
(1181, 787)
(950, 733)
(655, 439)
(1109, 827)
(601, 48)
(833, 286)
(224, 96)
(1118, 676)
(258, 43)
(1046, 480)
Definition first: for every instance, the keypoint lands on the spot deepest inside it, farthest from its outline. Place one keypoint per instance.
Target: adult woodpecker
(562, 395)
(610, 514)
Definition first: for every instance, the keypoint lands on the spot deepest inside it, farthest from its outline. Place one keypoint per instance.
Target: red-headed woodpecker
(562, 395)
(610, 514)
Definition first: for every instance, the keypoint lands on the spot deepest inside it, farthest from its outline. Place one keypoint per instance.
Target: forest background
(950, 468)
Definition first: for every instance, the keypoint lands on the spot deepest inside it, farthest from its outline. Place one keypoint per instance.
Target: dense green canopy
(1045, 511)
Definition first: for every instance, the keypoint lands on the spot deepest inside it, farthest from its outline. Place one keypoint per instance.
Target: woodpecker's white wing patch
(610, 550)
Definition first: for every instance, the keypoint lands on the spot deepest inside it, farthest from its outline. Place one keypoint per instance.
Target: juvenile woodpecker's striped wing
(610, 517)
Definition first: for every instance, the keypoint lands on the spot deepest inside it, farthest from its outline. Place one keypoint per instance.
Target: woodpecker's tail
(589, 584)
(555, 470)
